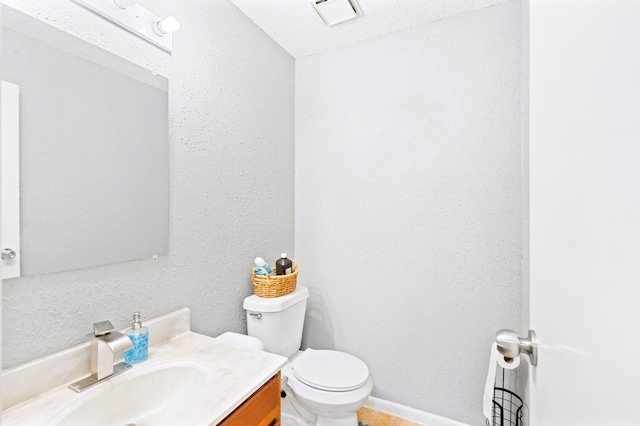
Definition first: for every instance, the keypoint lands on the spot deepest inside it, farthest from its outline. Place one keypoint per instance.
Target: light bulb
(123, 4)
(167, 25)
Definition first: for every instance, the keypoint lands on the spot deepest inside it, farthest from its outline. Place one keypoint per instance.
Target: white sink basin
(190, 379)
(143, 397)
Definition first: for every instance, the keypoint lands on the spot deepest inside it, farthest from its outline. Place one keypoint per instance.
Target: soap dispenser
(139, 336)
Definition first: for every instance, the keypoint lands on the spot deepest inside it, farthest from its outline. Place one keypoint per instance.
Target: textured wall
(408, 204)
(231, 105)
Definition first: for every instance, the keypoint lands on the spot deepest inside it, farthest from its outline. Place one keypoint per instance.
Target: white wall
(231, 106)
(408, 204)
(585, 211)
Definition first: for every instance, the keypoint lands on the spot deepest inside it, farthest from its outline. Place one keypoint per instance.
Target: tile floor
(366, 417)
(370, 417)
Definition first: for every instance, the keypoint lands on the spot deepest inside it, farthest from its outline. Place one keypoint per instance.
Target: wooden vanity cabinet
(260, 409)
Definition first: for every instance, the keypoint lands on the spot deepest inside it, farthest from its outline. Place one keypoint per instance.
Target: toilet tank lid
(275, 304)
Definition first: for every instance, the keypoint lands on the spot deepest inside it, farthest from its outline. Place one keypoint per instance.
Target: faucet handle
(103, 327)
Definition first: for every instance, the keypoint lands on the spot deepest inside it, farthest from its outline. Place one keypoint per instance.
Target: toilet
(331, 385)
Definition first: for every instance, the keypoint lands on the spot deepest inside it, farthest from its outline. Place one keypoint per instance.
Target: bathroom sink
(151, 396)
(190, 379)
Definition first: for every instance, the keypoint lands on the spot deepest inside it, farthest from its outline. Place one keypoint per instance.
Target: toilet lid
(330, 370)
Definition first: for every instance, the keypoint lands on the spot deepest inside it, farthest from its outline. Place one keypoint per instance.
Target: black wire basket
(508, 407)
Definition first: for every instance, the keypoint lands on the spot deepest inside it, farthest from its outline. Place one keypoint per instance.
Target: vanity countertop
(234, 374)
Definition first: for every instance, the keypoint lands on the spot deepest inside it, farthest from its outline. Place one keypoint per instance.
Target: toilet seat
(329, 370)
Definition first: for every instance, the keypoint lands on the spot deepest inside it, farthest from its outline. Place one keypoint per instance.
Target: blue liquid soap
(139, 336)
(260, 262)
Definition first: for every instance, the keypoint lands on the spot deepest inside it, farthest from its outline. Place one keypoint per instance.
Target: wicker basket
(274, 285)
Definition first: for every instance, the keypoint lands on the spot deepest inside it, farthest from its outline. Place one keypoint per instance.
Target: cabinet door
(261, 409)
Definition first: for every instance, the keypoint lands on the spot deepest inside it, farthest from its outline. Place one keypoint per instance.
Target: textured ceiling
(295, 25)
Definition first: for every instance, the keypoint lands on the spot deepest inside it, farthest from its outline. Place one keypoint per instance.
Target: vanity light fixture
(168, 25)
(123, 4)
(137, 19)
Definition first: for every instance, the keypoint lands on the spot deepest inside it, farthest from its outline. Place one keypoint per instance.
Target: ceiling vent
(334, 11)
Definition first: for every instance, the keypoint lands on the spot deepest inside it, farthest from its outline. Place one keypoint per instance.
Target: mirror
(94, 150)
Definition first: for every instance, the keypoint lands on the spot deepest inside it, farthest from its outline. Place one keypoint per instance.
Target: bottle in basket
(260, 263)
(284, 266)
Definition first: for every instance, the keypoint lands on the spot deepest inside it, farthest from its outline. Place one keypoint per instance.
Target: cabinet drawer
(261, 409)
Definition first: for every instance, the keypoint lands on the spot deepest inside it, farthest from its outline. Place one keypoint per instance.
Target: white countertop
(234, 373)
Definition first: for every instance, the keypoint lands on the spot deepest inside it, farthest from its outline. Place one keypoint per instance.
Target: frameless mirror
(94, 150)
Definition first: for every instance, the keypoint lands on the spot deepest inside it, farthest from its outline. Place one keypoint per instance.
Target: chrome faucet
(106, 344)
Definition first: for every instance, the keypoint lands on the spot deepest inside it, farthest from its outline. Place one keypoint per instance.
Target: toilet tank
(277, 321)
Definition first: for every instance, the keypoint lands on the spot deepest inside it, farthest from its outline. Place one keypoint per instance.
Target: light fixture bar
(134, 18)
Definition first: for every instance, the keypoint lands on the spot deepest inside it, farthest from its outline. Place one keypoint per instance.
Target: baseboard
(409, 413)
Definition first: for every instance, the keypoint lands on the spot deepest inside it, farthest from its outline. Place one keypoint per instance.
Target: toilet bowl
(331, 385)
